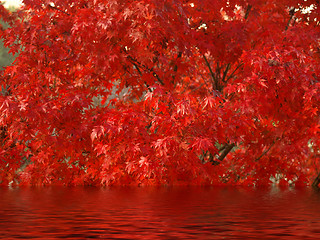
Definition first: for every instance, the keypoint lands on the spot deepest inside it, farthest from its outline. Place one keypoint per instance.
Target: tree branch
(316, 182)
(232, 74)
(215, 80)
(175, 68)
(265, 152)
(291, 12)
(139, 71)
(225, 149)
(225, 73)
(248, 11)
(225, 152)
(222, 148)
(136, 64)
(59, 10)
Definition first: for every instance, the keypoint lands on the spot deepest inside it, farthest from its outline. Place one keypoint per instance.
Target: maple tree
(161, 92)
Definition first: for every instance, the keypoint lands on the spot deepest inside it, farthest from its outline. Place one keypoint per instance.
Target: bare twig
(137, 63)
(139, 71)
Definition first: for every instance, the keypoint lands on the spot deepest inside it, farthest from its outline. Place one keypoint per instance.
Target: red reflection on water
(159, 213)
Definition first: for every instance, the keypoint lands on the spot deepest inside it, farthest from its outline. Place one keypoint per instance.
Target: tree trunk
(316, 181)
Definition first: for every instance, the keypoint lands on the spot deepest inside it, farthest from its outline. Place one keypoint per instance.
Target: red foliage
(161, 92)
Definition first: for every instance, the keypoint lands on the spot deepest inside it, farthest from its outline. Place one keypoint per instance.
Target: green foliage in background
(6, 58)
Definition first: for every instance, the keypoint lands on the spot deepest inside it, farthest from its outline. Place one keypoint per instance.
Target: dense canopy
(161, 92)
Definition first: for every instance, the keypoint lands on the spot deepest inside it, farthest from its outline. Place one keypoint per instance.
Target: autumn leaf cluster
(161, 92)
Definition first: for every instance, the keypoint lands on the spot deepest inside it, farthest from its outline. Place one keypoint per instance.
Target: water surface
(159, 213)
